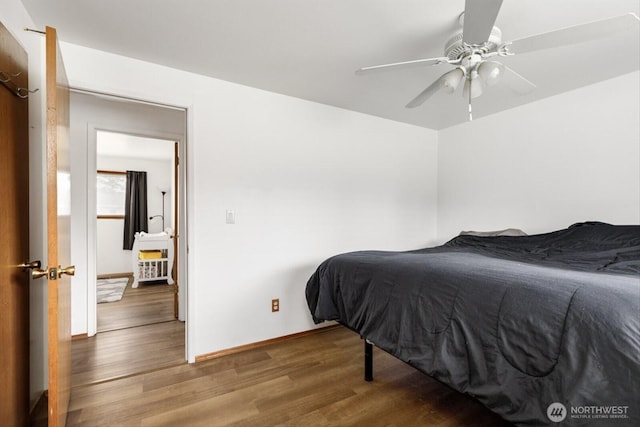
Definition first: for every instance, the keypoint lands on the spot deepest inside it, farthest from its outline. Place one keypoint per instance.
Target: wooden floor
(126, 352)
(137, 334)
(314, 380)
(144, 305)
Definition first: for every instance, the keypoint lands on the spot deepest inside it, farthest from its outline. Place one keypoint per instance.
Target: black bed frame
(368, 361)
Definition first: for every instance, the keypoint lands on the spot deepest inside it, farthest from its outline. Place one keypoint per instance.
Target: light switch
(231, 217)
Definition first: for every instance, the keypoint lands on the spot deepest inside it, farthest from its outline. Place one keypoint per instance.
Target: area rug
(111, 290)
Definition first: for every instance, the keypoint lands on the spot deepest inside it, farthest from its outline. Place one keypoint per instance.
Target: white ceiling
(112, 144)
(310, 48)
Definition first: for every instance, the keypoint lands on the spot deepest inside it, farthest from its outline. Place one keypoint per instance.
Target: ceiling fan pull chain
(470, 109)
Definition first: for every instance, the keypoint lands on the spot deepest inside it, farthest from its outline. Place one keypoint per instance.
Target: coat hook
(20, 92)
(23, 90)
(6, 77)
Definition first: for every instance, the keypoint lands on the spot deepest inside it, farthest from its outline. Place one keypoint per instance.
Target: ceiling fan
(472, 50)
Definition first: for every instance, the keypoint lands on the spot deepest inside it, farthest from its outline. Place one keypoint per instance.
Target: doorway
(132, 290)
(93, 117)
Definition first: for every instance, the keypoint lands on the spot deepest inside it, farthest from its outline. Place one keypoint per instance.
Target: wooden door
(58, 232)
(14, 229)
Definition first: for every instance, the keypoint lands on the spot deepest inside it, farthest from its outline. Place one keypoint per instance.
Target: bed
(540, 329)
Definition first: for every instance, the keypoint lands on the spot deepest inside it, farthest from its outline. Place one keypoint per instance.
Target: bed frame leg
(368, 361)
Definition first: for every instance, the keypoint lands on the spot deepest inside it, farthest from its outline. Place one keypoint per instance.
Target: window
(110, 194)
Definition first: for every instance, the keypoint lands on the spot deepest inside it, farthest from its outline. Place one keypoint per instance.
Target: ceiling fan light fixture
(490, 72)
(451, 80)
(472, 87)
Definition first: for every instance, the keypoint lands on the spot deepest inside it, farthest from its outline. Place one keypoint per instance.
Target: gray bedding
(522, 324)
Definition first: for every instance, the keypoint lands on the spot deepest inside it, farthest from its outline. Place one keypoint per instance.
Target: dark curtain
(135, 208)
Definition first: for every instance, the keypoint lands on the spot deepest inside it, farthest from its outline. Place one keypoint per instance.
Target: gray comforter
(538, 328)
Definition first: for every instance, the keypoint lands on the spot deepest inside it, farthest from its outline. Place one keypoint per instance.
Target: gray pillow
(506, 232)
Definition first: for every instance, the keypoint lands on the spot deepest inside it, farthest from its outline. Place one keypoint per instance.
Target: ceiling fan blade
(405, 64)
(479, 18)
(516, 82)
(427, 93)
(575, 34)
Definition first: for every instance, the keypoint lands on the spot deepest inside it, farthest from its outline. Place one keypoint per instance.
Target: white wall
(305, 181)
(89, 113)
(545, 165)
(15, 18)
(111, 258)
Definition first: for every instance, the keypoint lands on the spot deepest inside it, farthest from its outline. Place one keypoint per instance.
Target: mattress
(540, 329)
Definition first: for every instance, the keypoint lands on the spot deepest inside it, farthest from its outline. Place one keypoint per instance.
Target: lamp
(164, 192)
(490, 72)
(451, 79)
(479, 73)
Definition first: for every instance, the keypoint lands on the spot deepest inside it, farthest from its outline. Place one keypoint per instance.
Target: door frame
(182, 215)
(92, 131)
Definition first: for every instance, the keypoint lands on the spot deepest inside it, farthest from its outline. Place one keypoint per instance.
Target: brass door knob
(34, 266)
(37, 273)
(69, 271)
(25, 266)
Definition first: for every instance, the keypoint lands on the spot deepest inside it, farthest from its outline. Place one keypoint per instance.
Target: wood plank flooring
(126, 352)
(135, 335)
(313, 380)
(144, 305)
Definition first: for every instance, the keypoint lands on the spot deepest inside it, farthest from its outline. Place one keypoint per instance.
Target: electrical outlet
(275, 305)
